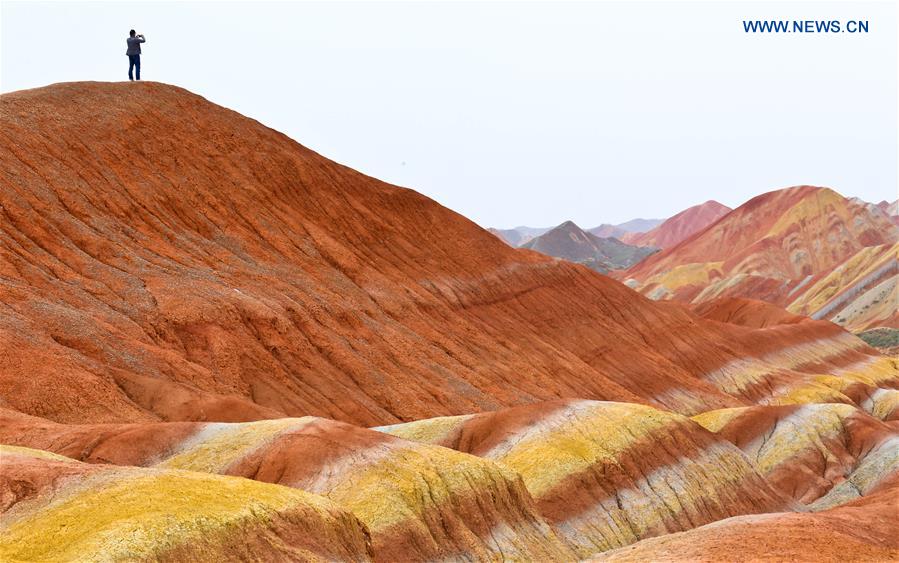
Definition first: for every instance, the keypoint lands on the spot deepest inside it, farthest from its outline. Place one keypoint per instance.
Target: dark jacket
(134, 44)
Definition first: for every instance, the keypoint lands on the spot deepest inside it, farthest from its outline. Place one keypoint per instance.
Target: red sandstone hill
(162, 257)
(680, 226)
(805, 248)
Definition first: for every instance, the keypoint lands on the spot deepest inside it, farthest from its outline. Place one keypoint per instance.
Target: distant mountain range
(518, 236)
(570, 242)
(807, 249)
(618, 231)
(612, 247)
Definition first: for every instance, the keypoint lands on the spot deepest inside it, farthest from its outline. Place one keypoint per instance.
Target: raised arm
(142, 38)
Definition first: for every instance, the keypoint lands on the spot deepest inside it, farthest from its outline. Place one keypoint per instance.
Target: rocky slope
(570, 242)
(860, 294)
(679, 227)
(891, 209)
(806, 249)
(609, 474)
(819, 454)
(56, 509)
(863, 530)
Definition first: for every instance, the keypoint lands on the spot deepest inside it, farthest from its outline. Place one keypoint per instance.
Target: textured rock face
(55, 508)
(165, 258)
(608, 474)
(861, 293)
(864, 530)
(681, 226)
(819, 454)
(805, 248)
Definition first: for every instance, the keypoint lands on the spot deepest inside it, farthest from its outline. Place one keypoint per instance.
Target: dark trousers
(133, 62)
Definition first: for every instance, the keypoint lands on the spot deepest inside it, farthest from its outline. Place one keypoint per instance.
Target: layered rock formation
(863, 530)
(891, 209)
(609, 474)
(53, 508)
(202, 315)
(417, 502)
(746, 312)
(806, 249)
(815, 453)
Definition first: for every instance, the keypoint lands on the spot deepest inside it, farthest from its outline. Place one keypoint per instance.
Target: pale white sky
(518, 113)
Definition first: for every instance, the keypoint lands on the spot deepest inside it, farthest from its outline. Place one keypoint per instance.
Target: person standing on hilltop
(134, 40)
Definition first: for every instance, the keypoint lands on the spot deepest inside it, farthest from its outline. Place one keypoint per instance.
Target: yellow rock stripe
(718, 419)
(845, 275)
(873, 372)
(427, 431)
(218, 445)
(804, 429)
(687, 486)
(403, 485)
(818, 389)
(686, 274)
(131, 514)
(28, 452)
(810, 208)
(737, 376)
(573, 439)
(882, 403)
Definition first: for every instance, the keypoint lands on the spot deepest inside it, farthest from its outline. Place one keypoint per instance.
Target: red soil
(746, 312)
